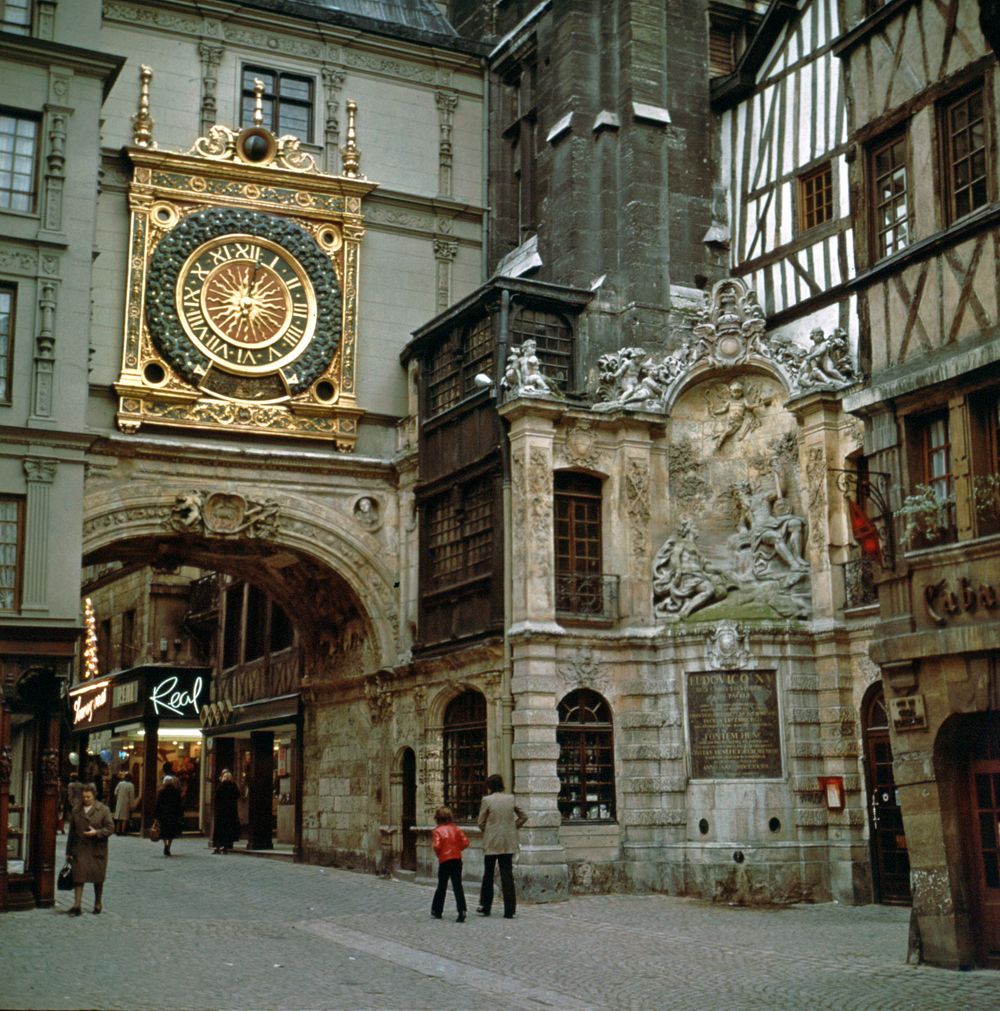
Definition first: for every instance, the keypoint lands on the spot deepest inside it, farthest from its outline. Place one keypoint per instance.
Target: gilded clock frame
(165, 188)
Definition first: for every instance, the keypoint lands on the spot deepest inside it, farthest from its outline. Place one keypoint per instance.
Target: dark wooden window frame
(922, 448)
(577, 500)
(7, 339)
(247, 73)
(553, 336)
(18, 502)
(880, 248)
(464, 750)
(815, 196)
(586, 765)
(950, 158)
(459, 527)
(450, 370)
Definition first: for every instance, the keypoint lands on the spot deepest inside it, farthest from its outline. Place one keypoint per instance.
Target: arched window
(586, 758)
(465, 754)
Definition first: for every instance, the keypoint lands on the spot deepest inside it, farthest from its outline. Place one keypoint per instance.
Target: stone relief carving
(583, 671)
(223, 514)
(632, 380)
(378, 695)
(581, 446)
(736, 409)
(637, 505)
(687, 483)
(523, 375)
(683, 580)
(367, 512)
(729, 647)
(827, 364)
(816, 478)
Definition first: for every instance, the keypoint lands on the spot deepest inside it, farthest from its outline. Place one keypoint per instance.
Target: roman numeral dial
(246, 303)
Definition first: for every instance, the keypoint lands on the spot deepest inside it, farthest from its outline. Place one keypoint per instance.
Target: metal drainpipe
(506, 695)
(485, 257)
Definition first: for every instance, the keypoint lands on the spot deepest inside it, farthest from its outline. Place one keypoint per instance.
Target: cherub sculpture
(737, 406)
(523, 374)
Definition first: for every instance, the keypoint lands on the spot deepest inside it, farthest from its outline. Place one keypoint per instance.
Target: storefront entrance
(890, 857)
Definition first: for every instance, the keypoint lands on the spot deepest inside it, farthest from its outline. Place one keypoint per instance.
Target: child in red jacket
(449, 841)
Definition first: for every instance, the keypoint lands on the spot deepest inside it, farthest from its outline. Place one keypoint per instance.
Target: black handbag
(64, 882)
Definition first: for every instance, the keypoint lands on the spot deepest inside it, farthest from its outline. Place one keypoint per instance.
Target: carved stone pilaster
(45, 19)
(39, 474)
(45, 343)
(333, 81)
(446, 102)
(210, 56)
(637, 508)
(445, 251)
(55, 164)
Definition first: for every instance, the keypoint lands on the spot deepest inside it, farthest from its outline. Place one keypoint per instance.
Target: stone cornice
(40, 52)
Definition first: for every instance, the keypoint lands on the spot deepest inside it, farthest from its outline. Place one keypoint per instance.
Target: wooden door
(408, 857)
(982, 844)
(890, 857)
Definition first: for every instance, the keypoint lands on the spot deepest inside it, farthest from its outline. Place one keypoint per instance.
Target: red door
(983, 847)
(890, 857)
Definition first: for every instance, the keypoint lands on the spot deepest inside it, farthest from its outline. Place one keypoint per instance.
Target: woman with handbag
(169, 812)
(90, 825)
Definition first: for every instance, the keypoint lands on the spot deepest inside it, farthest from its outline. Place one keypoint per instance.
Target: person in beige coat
(499, 818)
(90, 825)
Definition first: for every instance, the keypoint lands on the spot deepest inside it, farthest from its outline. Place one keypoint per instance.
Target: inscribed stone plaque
(733, 725)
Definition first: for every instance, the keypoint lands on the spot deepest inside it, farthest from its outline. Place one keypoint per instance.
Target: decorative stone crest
(583, 671)
(223, 514)
(581, 446)
(730, 331)
(729, 647)
(523, 375)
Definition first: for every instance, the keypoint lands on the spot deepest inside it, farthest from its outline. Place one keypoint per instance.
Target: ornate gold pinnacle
(258, 102)
(349, 153)
(142, 122)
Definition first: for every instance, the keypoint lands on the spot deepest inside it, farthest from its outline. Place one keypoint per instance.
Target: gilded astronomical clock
(242, 295)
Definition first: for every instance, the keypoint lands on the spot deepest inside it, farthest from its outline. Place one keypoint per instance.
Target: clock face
(246, 303)
(243, 306)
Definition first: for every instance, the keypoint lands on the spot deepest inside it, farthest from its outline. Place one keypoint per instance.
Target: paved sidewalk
(199, 931)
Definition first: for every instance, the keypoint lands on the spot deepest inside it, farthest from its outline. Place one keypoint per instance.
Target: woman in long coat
(90, 825)
(226, 827)
(124, 802)
(169, 812)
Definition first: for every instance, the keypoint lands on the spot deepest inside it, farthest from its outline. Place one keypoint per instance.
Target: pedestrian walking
(449, 841)
(499, 818)
(226, 822)
(169, 812)
(90, 825)
(124, 802)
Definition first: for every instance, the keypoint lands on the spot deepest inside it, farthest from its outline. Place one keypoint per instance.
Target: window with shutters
(586, 765)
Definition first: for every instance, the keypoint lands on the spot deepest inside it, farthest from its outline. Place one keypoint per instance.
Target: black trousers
(449, 870)
(506, 883)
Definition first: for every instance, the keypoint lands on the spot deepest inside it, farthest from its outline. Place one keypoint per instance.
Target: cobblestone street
(204, 931)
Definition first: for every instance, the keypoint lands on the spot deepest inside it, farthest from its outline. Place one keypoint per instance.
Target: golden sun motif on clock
(246, 303)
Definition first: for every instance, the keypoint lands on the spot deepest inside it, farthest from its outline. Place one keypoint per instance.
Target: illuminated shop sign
(125, 695)
(91, 705)
(177, 695)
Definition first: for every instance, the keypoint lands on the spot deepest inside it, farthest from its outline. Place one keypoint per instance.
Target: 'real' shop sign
(176, 694)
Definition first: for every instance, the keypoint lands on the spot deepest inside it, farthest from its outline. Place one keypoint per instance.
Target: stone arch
(305, 542)
(705, 370)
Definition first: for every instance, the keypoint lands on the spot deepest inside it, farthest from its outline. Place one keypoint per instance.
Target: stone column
(56, 120)
(39, 476)
(444, 252)
(446, 102)
(210, 55)
(533, 632)
(45, 19)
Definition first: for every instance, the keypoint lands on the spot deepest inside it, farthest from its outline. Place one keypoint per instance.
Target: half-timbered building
(922, 83)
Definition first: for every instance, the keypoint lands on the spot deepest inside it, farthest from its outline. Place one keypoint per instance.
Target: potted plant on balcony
(986, 500)
(926, 517)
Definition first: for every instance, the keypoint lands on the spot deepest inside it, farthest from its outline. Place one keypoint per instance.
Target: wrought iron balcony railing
(859, 583)
(584, 596)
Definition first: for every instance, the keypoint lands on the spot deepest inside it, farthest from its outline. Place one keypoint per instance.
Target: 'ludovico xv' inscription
(733, 725)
